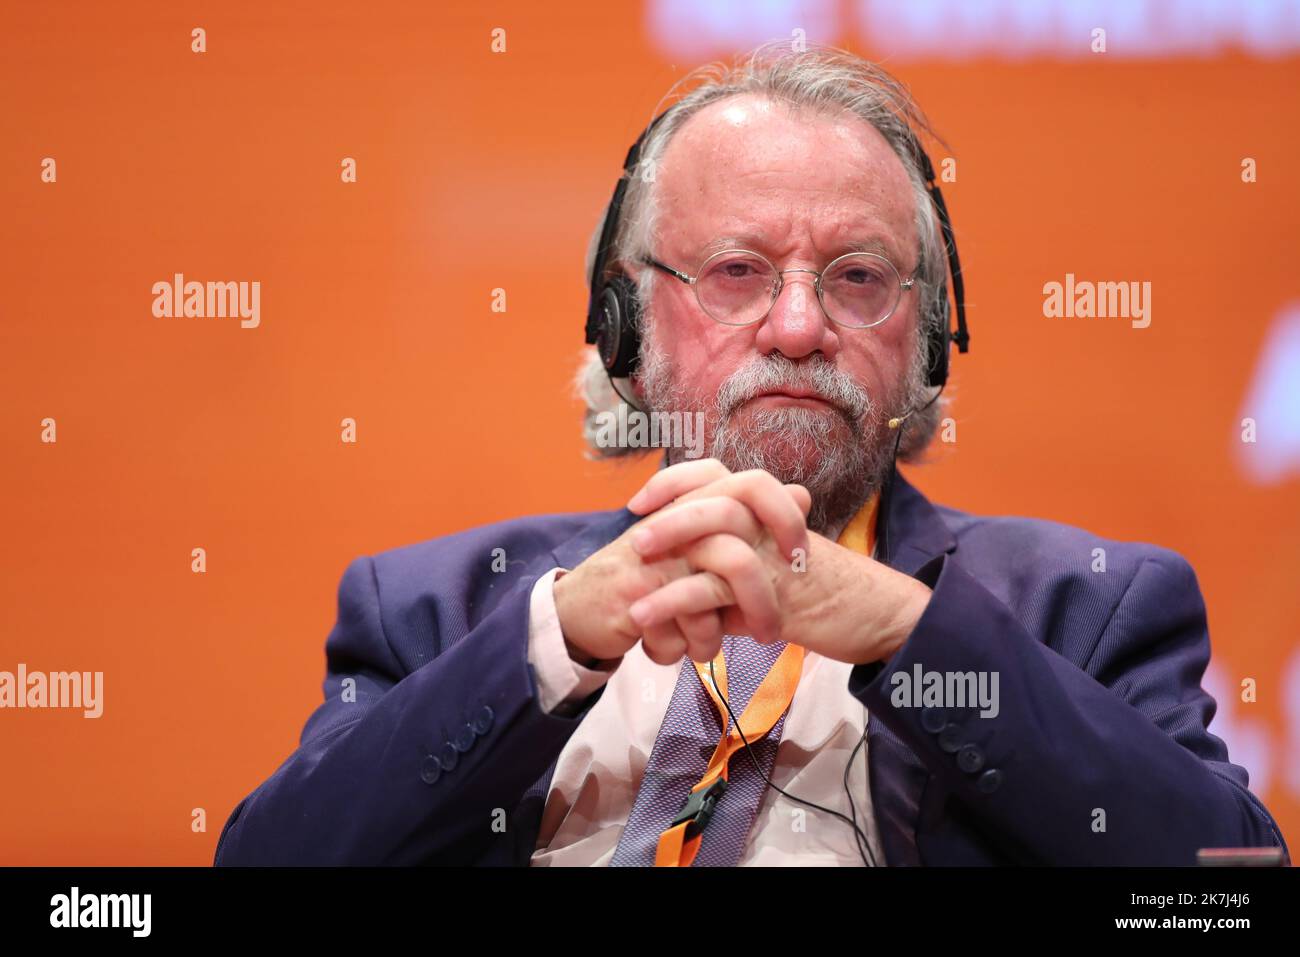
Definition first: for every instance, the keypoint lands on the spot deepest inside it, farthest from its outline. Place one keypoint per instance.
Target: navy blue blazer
(431, 746)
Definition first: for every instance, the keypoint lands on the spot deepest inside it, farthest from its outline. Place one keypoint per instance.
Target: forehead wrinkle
(768, 190)
(749, 225)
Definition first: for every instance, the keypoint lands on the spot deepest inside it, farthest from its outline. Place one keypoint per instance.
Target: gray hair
(819, 79)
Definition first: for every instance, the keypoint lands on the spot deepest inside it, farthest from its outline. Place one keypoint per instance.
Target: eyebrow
(873, 244)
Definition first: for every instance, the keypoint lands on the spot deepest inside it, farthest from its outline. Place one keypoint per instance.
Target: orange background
(479, 170)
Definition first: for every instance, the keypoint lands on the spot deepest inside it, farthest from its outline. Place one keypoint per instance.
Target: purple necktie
(687, 739)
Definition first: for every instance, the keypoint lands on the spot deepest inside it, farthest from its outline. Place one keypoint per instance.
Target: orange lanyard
(679, 844)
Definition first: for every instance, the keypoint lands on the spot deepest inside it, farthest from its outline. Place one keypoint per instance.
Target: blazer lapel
(897, 777)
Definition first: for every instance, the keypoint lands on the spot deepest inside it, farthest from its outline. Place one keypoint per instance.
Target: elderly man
(781, 653)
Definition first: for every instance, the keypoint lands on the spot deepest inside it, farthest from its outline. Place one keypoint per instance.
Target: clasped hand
(730, 553)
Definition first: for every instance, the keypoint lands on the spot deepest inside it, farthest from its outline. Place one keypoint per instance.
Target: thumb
(801, 496)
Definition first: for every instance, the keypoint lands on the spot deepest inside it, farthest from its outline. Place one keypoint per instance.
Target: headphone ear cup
(939, 337)
(619, 339)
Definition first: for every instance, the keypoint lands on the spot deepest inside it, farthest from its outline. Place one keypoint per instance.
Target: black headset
(614, 310)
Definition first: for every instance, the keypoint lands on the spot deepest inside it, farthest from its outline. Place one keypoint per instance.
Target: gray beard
(842, 459)
(793, 445)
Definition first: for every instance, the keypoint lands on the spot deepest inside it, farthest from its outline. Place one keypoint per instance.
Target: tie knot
(748, 663)
(741, 651)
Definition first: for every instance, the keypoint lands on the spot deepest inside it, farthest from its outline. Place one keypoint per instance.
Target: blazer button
(450, 756)
(431, 770)
(933, 719)
(989, 781)
(970, 759)
(950, 739)
(482, 723)
(465, 740)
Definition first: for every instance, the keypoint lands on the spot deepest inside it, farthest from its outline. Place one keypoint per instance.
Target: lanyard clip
(699, 807)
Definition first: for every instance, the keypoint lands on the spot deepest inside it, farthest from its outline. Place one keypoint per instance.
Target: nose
(796, 325)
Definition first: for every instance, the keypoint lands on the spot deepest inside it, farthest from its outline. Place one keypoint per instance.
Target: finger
(703, 633)
(667, 484)
(779, 507)
(768, 499)
(664, 643)
(667, 529)
(743, 570)
(689, 595)
(733, 622)
(801, 497)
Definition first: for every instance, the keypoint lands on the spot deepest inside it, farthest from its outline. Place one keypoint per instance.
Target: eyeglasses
(737, 287)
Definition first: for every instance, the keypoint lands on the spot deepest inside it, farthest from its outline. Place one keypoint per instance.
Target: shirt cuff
(563, 684)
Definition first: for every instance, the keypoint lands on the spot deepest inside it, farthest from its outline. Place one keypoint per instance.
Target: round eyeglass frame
(779, 285)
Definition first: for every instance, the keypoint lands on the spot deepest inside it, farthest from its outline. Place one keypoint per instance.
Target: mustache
(777, 372)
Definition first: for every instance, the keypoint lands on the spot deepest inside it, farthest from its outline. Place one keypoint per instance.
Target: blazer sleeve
(1107, 764)
(398, 767)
